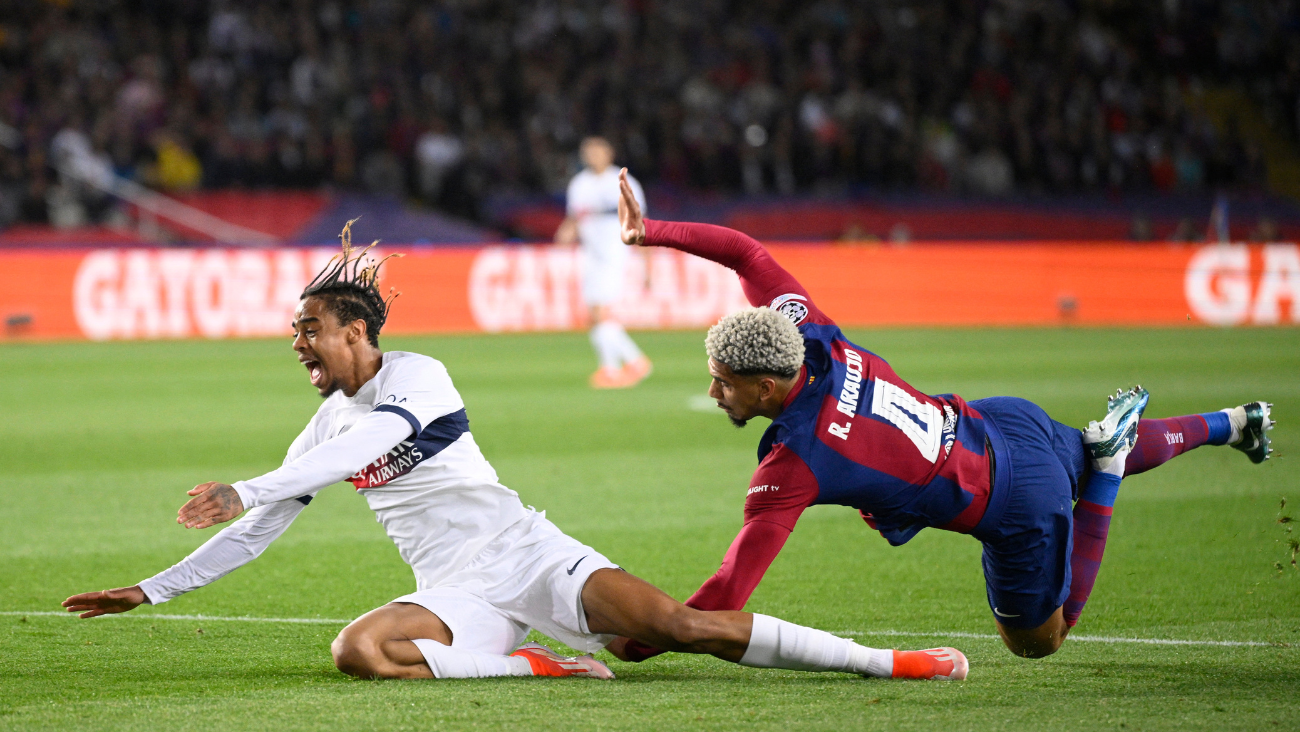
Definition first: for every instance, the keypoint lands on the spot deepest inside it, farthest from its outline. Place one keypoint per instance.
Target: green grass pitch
(98, 443)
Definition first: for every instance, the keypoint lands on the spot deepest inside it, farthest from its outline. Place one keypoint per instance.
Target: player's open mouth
(315, 372)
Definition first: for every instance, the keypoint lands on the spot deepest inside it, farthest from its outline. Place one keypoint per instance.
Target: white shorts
(531, 576)
(603, 272)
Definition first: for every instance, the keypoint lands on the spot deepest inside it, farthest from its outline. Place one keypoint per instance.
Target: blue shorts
(1027, 529)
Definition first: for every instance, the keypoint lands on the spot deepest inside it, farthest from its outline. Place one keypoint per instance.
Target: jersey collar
(787, 417)
(799, 383)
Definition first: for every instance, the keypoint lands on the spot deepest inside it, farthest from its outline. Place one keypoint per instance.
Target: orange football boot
(942, 664)
(607, 378)
(636, 371)
(546, 662)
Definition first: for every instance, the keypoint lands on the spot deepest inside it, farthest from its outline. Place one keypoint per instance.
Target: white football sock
(627, 350)
(1113, 465)
(457, 663)
(1237, 418)
(1109, 464)
(604, 338)
(775, 643)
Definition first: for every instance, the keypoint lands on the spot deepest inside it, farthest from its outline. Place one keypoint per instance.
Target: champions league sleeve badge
(791, 306)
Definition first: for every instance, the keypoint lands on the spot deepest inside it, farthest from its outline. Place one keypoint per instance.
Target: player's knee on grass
(1038, 642)
(358, 653)
(1033, 648)
(375, 644)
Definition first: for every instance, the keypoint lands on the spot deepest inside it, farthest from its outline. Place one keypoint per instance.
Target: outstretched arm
(746, 561)
(780, 490)
(327, 463)
(414, 394)
(765, 282)
(232, 548)
(751, 553)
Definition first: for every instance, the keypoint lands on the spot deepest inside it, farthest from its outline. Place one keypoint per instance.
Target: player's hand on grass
(631, 225)
(617, 647)
(213, 503)
(631, 651)
(94, 604)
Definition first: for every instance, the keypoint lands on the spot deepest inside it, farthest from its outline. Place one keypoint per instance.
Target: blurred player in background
(847, 430)
(592, 220)
(487, 569)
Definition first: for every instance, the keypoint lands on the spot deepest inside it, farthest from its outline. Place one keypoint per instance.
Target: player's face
(738, 396)
(597, 155)
(322, 345)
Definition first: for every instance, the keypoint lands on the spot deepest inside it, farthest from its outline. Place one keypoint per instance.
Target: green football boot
(1117, 432)
(1254, 433)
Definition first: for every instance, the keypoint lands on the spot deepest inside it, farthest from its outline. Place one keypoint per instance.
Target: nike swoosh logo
(575, 565)
(995, 610)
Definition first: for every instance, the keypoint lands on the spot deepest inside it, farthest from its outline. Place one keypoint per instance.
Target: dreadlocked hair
(349, 287)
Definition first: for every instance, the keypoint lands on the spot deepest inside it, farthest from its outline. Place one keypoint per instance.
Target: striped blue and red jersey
(855, 434)
(852, 433)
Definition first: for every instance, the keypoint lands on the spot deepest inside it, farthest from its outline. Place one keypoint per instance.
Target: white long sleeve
(233, 547)
(329, 462)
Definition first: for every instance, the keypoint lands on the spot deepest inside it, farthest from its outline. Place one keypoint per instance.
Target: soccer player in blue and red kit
(847, 430)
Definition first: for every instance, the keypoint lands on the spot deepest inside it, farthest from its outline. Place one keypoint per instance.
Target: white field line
(211, 618)
(851, 633)
(703, 403)
(1080, 638)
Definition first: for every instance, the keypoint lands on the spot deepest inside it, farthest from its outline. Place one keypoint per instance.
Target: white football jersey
(435, 494)
(592, 200)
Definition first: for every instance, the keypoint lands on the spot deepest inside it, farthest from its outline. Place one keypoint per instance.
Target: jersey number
(921, 422)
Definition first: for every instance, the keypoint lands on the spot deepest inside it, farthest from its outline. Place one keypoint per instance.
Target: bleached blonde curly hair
(756, 341)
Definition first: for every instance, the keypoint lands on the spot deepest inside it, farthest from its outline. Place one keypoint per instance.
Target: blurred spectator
(453, 100)
(1266, 231)
(177, 167)
(84, 171)
(437, 153)
(854, 233)
(382, 174)
(11, 188)
(1186, 232)
(989, 173)
(1140, 230)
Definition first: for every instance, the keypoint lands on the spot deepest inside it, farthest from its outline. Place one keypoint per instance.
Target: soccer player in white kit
(592, 219)
(487, 569)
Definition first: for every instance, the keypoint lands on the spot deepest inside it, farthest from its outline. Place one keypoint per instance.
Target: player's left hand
(213, 503)
(94, 604)
(631, 225)
(618, 646)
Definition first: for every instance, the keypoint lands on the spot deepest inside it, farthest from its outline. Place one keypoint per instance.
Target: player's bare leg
(623, 365)
(621, 604)
(379, 644)
(406, 641)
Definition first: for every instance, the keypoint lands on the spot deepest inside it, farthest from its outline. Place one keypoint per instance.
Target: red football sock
(1162, 440)
(1091, 525)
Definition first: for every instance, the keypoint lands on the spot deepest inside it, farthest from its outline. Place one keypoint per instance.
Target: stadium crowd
(448, 102)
